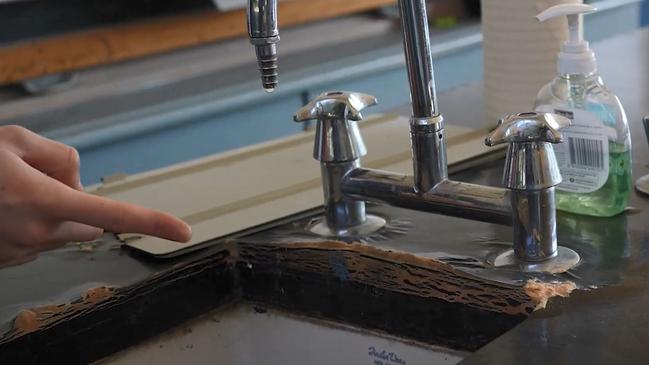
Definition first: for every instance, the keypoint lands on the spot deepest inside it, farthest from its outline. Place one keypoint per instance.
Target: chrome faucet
(526, 202)
(264, 35)
(531, 173)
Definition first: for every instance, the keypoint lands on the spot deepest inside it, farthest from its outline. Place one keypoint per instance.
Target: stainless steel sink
(249, 334)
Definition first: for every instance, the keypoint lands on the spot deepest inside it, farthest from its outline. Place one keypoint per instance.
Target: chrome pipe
(264, 35)
(341, 212)
(428, 142)
(419, 60)
(535, 228)
(426, 125)
(454, 198)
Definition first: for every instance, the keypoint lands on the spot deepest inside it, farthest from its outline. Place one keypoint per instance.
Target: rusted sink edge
(389, 270)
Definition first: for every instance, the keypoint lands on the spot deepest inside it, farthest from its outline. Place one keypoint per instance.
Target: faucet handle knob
(337, 138)
(337, 105)
(528, 127)
(530, 166)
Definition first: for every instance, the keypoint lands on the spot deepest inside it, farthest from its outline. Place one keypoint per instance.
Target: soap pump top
(576, 57)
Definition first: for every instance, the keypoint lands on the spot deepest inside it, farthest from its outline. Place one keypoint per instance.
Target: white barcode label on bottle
(586, 152)
(583, 156)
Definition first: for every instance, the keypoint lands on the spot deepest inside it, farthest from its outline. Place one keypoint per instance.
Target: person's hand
(43, 206)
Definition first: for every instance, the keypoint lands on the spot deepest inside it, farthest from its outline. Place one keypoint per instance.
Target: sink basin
(304, 299)
(250, 334)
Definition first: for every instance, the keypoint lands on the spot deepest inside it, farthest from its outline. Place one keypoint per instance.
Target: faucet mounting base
(372, 224)
(565, 260)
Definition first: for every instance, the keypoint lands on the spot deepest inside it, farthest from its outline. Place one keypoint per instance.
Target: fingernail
(186, 233)
(98, 233)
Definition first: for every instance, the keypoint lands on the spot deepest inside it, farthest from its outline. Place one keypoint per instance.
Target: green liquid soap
(612, 198)
(599, 118)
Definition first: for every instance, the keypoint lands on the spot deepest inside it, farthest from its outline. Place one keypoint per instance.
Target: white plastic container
(519, 53)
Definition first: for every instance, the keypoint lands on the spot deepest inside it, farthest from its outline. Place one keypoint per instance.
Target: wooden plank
(122, 42)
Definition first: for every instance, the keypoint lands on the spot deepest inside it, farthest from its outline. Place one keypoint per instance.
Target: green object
(595, 158)
(446, 22)
(610, 199)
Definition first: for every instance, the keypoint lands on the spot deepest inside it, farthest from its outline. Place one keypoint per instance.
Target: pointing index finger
(120, 217)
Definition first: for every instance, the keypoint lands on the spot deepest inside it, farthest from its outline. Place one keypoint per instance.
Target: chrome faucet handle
(528, 127)
(338, 138)
(336, 105)
(531, 163)
(531, 173)
(339, 148)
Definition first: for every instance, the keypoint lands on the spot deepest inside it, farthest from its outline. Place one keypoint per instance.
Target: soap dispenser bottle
(595, 159)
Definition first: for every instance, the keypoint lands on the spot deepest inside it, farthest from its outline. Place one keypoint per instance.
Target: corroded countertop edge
(238, 251)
